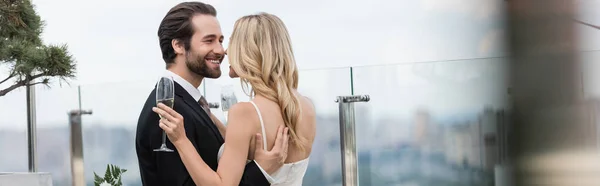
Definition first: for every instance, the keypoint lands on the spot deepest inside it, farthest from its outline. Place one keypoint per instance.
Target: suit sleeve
(253, 176)
(169, 165)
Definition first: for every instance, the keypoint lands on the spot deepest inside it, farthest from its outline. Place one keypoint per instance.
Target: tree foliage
(28, 59)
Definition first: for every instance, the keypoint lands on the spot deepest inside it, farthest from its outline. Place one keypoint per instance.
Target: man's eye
(209, 41)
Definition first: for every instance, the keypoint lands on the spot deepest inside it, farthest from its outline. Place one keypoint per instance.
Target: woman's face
(232, 73)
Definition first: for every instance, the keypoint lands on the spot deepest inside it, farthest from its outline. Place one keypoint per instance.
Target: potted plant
(112, 176)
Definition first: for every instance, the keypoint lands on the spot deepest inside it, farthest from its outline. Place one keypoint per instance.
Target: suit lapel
(187, 98)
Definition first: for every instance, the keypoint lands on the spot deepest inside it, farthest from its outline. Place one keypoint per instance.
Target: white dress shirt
(193, 91)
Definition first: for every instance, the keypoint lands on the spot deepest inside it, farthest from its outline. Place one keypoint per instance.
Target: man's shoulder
(146, 115)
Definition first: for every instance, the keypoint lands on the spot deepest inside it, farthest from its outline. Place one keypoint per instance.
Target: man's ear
(178, 46)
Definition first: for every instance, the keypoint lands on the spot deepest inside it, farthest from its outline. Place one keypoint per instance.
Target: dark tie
(204, 104)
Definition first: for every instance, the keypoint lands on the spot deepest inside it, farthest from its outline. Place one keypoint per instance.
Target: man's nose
(225, 51)
(220, 50)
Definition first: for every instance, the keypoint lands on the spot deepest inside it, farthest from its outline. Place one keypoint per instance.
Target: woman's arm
(231, 166)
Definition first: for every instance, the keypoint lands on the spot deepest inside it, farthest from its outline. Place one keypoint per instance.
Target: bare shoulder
(240, 114)
(241, 108)
(308, 121)
(308, 107)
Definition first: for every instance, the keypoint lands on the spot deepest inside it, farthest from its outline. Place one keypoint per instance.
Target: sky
(443, 56)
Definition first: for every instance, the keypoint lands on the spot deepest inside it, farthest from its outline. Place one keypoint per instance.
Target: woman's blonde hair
(260, 52)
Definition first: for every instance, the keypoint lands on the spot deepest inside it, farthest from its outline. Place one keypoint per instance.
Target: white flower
(105, 184)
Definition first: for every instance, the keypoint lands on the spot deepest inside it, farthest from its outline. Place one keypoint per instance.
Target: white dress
(290, 174)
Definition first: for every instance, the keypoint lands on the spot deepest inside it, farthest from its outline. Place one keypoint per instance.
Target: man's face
(206, 50)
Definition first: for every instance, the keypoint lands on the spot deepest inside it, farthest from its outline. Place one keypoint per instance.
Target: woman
(260, 54)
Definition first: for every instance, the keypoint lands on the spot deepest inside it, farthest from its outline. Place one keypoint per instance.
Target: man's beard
(197, 65)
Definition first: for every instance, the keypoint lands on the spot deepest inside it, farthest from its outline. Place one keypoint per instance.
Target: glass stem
(164, 138)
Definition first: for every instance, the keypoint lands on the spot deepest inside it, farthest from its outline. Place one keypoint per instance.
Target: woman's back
(260, 53)
(273, 118)
(297, 160)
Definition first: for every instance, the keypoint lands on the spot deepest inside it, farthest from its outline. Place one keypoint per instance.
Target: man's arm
(143, 149)
(170, 168)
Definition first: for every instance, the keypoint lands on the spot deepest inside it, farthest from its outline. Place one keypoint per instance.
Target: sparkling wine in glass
(165, 94)
(228, 99)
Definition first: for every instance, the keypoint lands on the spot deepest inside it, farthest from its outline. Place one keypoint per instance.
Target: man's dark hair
(177, 25)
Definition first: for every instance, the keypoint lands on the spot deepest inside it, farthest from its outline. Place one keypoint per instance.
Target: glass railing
(423, 124)
(431, 123)
(591, 74)
(53, 134)
(109, 132)
(322, 86)
(13, 132)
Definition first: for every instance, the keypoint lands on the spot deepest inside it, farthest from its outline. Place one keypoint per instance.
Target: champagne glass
(228, 99)
(165, 94)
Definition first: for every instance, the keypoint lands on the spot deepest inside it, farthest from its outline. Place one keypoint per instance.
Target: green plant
(112, 176)
(29, 60)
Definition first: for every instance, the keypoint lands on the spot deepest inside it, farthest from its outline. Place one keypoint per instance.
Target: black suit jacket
(166, 168)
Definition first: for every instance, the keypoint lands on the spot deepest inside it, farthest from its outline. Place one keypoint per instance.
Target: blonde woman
(260, 54)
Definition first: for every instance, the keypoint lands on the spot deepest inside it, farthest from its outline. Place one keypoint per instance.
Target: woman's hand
(171, 122)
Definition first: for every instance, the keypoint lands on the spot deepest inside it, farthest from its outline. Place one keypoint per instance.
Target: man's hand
(272, 160)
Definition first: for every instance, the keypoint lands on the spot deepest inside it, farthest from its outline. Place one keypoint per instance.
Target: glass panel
(13, 131)
(591, 87)
(212, 88)
(53, 146)
(431, 123)
(109, 133)
(591, 73)
(322, 86)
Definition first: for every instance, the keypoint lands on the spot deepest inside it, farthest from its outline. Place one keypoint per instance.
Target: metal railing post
(76, 139)
(348, 138)
(31, 129)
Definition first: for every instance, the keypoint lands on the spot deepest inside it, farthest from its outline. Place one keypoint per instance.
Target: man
(191, 44)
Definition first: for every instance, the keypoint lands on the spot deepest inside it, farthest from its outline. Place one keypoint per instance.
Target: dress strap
(262, 125)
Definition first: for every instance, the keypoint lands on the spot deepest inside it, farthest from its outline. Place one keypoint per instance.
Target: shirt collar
(193, 91)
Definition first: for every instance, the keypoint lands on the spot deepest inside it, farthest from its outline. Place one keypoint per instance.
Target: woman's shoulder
(304, 99)
(241, 106)
(242, 111)
(307, 104)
